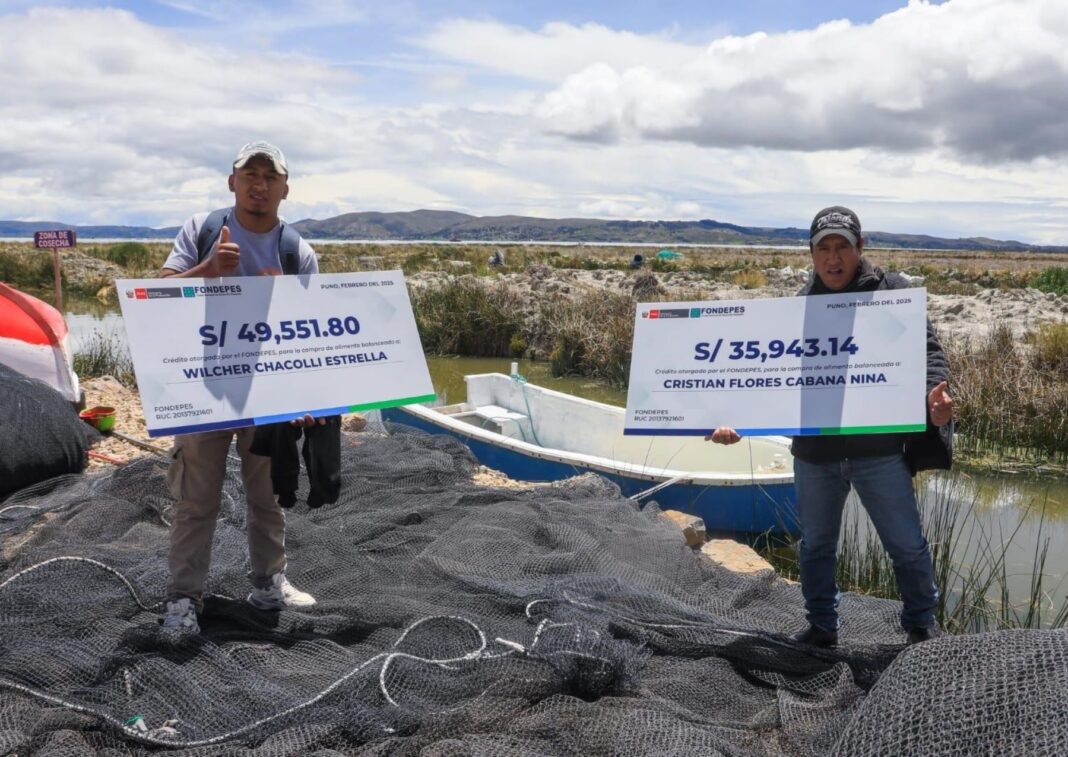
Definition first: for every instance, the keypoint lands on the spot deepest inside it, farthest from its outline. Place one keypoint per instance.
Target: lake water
(1013, 510)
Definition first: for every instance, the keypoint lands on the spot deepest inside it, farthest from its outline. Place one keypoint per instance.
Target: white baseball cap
(264, 150)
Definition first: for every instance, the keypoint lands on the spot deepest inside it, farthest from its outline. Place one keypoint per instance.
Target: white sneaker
(180, 619)
(281, 594)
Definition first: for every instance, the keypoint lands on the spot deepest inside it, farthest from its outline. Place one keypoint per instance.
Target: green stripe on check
(851, 430)
(393, 403)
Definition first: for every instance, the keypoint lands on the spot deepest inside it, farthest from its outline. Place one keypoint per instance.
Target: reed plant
(27, 269)
(971, 562)
(1012, 399)
(105, 355)
(590, 336)
(135, 257)
(467, 316)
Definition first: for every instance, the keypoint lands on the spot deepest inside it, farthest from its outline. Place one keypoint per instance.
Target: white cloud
(984, 78)
(936, 119)
(553, 52)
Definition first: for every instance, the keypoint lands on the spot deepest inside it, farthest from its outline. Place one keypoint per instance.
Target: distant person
(878, 466)
(249, 243)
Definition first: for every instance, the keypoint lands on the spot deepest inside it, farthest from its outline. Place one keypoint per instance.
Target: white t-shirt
(258, 251)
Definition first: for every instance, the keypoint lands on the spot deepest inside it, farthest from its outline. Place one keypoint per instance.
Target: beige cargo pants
(195, 478)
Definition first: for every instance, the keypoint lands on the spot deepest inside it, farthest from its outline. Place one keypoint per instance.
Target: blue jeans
(885, 489)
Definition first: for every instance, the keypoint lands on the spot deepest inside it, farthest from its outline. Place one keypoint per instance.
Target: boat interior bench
(498, 419)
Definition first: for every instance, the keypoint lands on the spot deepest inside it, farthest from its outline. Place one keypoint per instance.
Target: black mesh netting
(455, 619)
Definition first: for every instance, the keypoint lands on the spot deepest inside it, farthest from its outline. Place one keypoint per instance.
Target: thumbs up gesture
(226, 257)
(940, 405)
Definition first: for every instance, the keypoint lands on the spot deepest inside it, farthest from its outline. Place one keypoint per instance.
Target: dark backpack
(288, 240)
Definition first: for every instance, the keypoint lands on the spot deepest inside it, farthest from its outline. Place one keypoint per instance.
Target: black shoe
(916, 635)
(816, 637)
(287, 499)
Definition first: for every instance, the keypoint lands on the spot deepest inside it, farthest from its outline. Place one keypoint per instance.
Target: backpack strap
(210, 231)
(288, 241)
(289, 250)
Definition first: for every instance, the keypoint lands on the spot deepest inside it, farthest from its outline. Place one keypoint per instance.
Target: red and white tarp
(34, 341)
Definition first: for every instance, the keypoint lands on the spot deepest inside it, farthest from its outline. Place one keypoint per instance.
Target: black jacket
(322, 459)
(932, 448)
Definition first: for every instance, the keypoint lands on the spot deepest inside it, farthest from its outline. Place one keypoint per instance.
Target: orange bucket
(102, 418)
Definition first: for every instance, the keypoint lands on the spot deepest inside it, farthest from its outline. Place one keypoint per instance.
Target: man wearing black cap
(248, 243)
(875, 465)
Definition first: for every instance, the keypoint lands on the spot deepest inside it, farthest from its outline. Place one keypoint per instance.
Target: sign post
(55, 241)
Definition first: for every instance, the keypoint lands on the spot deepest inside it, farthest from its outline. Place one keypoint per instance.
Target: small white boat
(536, 434)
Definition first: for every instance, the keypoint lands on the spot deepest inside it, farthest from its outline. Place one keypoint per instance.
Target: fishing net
(41, 435)
(457, 619)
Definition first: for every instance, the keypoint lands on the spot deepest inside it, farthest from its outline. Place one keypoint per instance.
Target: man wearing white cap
(248, 239)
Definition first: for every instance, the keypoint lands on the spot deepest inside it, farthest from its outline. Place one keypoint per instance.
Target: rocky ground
(954, 315)
(130, 422)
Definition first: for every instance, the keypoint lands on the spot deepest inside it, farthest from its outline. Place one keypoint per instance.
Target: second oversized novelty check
(243, 351)
(830, 364)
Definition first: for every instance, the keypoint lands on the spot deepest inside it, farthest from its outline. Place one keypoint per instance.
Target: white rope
(662, 485)
(165, 735)
(162, 736)
(695, 624)
(87, 561)
(23, 507)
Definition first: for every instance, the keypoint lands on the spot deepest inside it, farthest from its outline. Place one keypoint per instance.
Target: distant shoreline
(535, 242)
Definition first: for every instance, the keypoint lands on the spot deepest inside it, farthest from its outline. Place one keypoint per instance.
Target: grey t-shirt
(258, 251)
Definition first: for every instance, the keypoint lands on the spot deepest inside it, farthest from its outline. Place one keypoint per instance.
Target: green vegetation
(590, 336)
(1049, 345)
(970, 563)
(27, 270)
(105, 356)
(1012, 402)
(1054, 279)
(134, 257)
(579, 335)
(467, 317)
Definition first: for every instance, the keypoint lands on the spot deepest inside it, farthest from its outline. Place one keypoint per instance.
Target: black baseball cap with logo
(835, 220)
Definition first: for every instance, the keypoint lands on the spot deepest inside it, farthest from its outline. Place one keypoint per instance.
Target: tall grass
(971, 563)
(135, 257)
(28, 270)
(1012, 401)
(590, 336)
(105, 355)
(580, 335)
(466, 316)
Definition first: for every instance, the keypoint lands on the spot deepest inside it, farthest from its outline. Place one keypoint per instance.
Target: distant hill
(26, 229)
(447, 225)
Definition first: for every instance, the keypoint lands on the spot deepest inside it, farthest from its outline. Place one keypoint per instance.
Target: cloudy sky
(944, 118)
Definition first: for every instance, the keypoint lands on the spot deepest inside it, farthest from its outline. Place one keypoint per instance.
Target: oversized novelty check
(231, 352)
(829, 364)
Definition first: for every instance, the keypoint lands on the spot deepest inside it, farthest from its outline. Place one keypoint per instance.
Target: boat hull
(753, 508)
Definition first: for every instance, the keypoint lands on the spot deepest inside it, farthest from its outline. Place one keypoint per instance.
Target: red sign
(51, 240)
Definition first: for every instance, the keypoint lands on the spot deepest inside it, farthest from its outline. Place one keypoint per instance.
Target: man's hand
(940, 405)
(226, 258)
(724, 435)
(307, 421)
